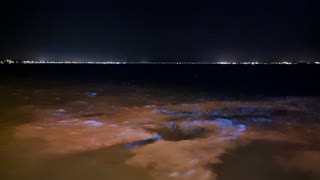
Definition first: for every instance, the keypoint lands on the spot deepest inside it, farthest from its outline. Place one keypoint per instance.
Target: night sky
(156, 30)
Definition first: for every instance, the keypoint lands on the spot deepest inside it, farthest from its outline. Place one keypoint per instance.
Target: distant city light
(9, 61)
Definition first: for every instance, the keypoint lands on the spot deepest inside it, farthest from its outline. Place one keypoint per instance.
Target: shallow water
(109, 131)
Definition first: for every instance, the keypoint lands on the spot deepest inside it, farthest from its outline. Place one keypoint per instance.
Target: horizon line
(9, 61)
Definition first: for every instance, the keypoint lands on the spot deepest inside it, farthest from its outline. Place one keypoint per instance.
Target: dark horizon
(99, 30)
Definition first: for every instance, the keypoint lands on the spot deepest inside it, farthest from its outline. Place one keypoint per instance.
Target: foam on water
(210, 129)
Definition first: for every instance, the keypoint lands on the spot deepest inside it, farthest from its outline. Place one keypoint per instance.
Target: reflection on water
(125, 132)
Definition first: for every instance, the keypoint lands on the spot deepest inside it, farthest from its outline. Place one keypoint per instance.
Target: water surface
(124, 131)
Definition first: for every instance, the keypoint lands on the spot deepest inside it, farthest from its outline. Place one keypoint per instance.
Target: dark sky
(153, 30)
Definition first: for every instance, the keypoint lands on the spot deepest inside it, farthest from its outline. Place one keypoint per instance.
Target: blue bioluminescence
(142, 142)
(93, 123)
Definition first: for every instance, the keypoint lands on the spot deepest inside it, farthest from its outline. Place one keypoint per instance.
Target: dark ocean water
(220, 122)
(274, 80)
